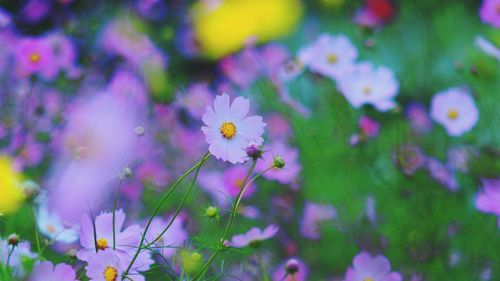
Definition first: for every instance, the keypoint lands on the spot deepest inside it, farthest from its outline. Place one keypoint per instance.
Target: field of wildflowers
(267, 140)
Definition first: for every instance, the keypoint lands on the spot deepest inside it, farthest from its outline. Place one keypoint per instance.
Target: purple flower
(35, 56)
(64, 53)
(126, 240)
(195, 99)
(45, 271)
(488, 199)
(368, 268)
(171, 240)
(20, 255)
(330, 55)
(109, 265)
(243, 68)
(228, 131)
(286, 175)
(455, 109)
(278, 127)
(490, 12)
(418, 117)
(368, 84)
(314, 215)
(442, 173)
(291, 270)
(253, 237)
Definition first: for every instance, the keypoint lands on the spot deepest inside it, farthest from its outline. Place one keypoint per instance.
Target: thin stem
(9, 255)
(37, 236)
(115, 203)
(231, 218)
(157, 209)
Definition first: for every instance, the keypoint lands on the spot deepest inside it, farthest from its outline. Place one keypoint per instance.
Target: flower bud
(139, 131)
(292, 266)
(278, 162)
(13, 239)
(254, 151)
(127, 172)
(212, 212)
(30, 188)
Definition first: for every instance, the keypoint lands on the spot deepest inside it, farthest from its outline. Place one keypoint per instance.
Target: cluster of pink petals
(373, 268)
(254, 235)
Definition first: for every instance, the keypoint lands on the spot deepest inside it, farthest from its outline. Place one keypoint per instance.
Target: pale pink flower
(366, 267)
(490, 12)
(253, 237)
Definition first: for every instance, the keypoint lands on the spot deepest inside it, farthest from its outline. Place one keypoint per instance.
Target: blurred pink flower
(35, 56)
(20, 254)
(489, 12)
(173, 238)
(278, 127)
(229, 131)
(488, 199)
(315, 214)
(368, 84)
(418, 117)
(291, 270)
(366, 267)
(195, 99)
(442, 173)
(45, 271)
(330, 55)
(454, 109)
(369, 127)
(253, 237)
(286, 175)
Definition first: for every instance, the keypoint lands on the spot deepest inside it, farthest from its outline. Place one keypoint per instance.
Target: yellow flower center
(110, 273)
(102, 244)
(367, 90)
(368, 279)
(332, 58)
(228, 130)
(452, 114)
(35, 57)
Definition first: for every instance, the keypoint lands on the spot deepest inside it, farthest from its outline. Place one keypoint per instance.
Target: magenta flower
(285, 175)
(488, 199)
(291, 270)
(368, 84)
(35, 56)
(330, 55)
(126, 240)
(490, 12)
(45, 271)
(109, 265)
(455, 109)
(368, 268)
(253, 237)
(314, 215)
(228, 131)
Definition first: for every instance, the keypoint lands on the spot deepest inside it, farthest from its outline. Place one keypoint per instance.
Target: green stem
(115, 203)
(157, 209)
(37, 235)
(231, 218)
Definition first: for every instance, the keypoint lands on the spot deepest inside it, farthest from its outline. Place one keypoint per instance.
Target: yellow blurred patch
(11, 193)
(226, 26)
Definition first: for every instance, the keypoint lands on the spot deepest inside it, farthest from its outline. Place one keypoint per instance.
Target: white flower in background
(51, 226)
(455, 109)
(329, 55)
(487, 47)
(368, 84)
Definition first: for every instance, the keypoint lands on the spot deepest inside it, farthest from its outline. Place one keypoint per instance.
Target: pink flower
(488, 199)
(368, 84)
(490, 12)
(278, 127)
(291, 270)
(45, 271)
(228, 131)
(455, 109)
(369, 127)
(253, 237)
(110, 265)
(330, 55)
(366, 267)
(286, 175)
(35, 56)
(418, 117)
(314, 215)
(171, 240)
(126, 240)
(195, 99)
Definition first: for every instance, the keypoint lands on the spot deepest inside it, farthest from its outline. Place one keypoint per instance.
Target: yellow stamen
(368, 279)
(452, 114)
(110, 273)
(228, 130)
(367, 90)
(332, 58)
(102, 243)
(35, 57)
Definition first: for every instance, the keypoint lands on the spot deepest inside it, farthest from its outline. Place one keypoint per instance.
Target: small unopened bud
(127, 172)
(71, 253)
(139, 131)
(30, 188)
(196, 257)
(13, 239)
(292, 266)
(212, 212)
(226, 243)
(254, 151)
(278, 162)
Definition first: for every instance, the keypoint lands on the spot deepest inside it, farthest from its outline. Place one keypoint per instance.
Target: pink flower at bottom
(45, 271)
(490, 12)
(371, 268)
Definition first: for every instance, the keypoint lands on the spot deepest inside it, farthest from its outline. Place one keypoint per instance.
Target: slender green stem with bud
(115, 203)
(234, 210)
(197, 166)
